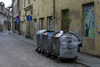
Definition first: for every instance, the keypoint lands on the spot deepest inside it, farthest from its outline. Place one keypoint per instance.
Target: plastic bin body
(47, 42)
(66, 45)
(56, 45)
(39, 38)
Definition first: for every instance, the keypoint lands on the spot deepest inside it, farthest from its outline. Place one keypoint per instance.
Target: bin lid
(53, 33)
(41, 32)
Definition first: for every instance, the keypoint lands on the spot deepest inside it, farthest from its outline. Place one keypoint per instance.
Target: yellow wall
(22, 17)
(91, 45)
(29, 27)
(44, 8)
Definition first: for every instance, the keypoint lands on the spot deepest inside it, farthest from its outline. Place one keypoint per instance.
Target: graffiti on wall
(89, 24)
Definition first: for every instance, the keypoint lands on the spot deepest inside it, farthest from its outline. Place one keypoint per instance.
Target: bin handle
(69, 36)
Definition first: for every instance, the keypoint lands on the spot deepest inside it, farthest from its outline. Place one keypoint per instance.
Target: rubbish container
(39, 39)
(66, 45)
(47, 41)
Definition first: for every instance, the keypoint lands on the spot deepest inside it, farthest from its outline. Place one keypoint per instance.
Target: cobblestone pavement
(16, 53)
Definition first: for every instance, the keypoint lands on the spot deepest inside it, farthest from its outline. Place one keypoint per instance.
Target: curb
(87, 65)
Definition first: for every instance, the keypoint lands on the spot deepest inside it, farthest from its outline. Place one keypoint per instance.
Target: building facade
(28, 8)
(15, 26)
(80, 16)
(1, 21)
(4, 17)
(22, 17)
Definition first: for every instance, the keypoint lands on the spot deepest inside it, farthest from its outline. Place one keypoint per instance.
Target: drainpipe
(31, 25)
(12, 14)
(19, 15)
(25, 25)
(53, 8)
(53, 24)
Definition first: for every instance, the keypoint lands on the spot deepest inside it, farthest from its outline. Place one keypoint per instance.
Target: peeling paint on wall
(78, 28)
(75, 13)
(97, 25)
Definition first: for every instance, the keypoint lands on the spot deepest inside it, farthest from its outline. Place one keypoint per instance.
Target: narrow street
(16, 53)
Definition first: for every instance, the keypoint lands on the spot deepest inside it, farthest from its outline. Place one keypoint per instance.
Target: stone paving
(84, 59)
(17, 53)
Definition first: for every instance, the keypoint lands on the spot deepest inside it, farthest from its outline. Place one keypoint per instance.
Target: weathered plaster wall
(42, 9)
(1, 22)
(91, 45)
(22, 17)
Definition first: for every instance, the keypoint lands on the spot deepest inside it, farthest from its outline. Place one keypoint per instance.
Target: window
(49, 23)
(35, 25)
(28, 1)
(89, 24)
(41, 23)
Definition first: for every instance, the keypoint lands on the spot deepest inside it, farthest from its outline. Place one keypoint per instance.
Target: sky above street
(7, 2)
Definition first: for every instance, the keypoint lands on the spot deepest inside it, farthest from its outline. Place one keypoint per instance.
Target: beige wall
(15, 8)
(22, 17)
(44, 9)
(91, 45)
(27, 26)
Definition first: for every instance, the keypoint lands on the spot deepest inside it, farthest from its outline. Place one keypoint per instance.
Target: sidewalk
(88, 60)
(20, 37)
(84, 59)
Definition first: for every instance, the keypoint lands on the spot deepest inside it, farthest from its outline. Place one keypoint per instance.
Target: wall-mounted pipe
(53, 23)
(53, 8)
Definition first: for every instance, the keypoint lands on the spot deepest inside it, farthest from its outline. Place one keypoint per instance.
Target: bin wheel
(42, 52)
(76, 61)
(52, 57)
(39, 51)
(58, 60)
(36, 50)
(47, 55)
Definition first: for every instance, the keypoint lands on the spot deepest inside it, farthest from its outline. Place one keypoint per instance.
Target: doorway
(65, 20)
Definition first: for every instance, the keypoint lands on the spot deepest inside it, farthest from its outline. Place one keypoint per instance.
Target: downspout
(12, 15)
(19, 15)
(54, 9)
(25, 21)
(53, 15)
